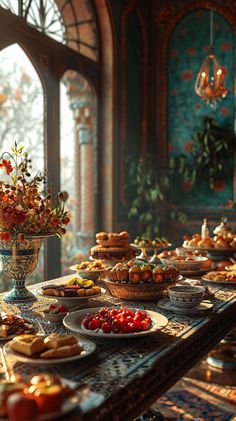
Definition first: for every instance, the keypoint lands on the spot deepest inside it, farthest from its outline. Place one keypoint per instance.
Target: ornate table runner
(131, 373)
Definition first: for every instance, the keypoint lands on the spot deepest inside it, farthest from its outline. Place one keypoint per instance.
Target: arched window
(59, 41)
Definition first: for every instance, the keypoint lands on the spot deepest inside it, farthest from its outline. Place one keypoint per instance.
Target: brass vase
(19, 259)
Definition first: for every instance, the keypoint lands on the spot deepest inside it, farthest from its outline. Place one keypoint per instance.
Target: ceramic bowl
(196, 263)
(186, 296)
(54, 317)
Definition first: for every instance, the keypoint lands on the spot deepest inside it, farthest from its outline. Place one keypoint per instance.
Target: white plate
(73, 322)
(212, 250)
(70, 299)
(166, 304)
(88, 348)
(212, 281)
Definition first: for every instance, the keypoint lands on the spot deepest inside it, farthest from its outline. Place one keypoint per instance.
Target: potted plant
(212, 145)
(150, 197)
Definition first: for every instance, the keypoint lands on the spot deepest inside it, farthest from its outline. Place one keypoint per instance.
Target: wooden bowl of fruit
(138, 281)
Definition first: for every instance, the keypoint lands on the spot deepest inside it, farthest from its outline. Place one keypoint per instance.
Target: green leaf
(205, 139)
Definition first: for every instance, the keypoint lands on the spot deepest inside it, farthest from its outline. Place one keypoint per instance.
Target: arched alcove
(187, 48)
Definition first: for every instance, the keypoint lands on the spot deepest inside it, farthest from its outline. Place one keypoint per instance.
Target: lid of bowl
(222, 228)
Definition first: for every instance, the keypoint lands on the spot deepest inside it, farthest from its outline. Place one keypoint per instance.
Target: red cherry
(106, 327)
(62, 309)
(52, 307)
(86, 321)
(125, 329)
(94, 324)
(103, 312)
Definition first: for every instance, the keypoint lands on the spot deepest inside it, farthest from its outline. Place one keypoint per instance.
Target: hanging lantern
(210, 83)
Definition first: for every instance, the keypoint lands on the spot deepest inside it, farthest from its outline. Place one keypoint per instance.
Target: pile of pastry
(39, 396)
(221, 276)
(90, 266)
(56, 345)
(226, 241)
(138, 272)
(112, 246)
(14, 325)
(76, 287)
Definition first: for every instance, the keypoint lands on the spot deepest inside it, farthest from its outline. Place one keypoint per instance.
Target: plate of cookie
(76, 289)
(56, 348)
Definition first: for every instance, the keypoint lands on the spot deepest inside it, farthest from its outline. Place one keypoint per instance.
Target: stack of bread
(56, 345)
(113, 246)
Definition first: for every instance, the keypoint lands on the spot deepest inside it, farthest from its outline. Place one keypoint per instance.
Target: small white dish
(168, 305)
(54, 317)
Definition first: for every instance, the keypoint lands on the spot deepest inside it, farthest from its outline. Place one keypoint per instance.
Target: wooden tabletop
(129, 374)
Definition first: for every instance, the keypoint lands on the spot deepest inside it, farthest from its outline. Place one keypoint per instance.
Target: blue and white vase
(19, 259)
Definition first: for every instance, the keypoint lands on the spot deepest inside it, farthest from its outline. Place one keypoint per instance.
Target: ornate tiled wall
(160, 47)
(188, 46)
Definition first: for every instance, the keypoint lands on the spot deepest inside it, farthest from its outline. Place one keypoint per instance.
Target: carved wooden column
(87, 177)
(82, 102)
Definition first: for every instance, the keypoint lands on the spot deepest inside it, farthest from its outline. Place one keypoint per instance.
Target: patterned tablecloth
(132, 373)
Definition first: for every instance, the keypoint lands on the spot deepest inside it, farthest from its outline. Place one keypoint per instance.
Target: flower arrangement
(26, 207)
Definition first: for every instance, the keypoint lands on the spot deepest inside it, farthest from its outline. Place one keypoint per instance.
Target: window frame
(51, 60)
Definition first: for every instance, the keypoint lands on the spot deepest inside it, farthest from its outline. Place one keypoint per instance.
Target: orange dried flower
(25, 206)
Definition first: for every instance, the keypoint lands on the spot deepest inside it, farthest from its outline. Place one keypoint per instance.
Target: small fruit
(48, 397)
(20, 407)
(72, 281)
(94, 324)
(85, 283)
(62, 309)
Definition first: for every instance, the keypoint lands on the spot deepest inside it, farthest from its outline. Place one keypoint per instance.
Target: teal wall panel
(188, 46)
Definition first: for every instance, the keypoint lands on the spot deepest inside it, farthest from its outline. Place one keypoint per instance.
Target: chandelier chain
(211, 27)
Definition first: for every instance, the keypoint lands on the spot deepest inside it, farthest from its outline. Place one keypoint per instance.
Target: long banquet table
(131, 373)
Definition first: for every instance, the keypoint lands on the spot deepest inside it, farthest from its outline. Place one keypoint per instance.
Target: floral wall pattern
(188, 46)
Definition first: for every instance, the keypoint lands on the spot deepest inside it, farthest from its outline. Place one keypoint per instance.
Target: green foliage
(212, 145)
(150, 188)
